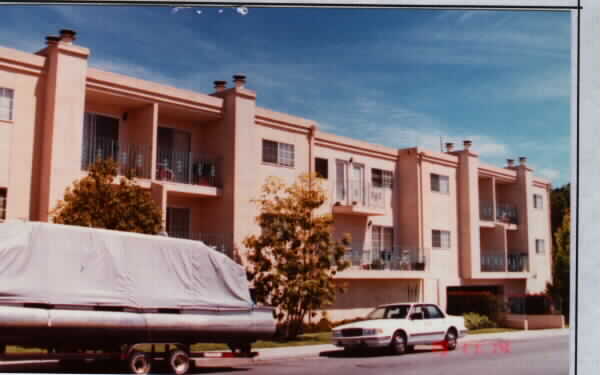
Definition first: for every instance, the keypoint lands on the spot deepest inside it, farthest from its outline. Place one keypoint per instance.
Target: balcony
(358, 198)
(395, 259)
(133, 160)
(513, 262)
(213, 240)
(505, 213)
(187, 168)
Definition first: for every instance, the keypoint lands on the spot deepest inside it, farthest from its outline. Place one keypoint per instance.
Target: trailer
(90, 294)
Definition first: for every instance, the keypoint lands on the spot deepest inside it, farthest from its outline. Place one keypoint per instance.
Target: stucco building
(424, 224)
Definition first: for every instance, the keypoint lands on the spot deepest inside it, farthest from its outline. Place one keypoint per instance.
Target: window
(432, 312)
(382, 238)
(440, 183)
(539, 247)
(278, 153)
(440, 239)
(381, 178)
(322, 167)
(538, 201)
(2, 204)
(6, 104)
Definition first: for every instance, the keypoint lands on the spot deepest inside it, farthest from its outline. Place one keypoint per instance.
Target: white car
(400, 326)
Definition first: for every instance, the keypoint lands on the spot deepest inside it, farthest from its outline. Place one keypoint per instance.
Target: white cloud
(549, 173)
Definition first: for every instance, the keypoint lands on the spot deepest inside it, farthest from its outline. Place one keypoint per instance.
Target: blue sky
(390, 76)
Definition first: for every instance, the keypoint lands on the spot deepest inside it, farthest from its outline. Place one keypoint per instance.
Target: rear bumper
(368, 342)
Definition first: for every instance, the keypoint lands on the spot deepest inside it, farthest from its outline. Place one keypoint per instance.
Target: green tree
(560, 202)
(96, 201)
(560, 286)
(293, 261)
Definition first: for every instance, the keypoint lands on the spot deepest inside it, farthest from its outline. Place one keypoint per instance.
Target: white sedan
(401, 326)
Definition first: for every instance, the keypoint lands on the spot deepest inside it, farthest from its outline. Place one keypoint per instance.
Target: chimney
(467, 144)
(220, 85)
(523, 161)
(67, 36)
(510, 163)
(52, 39)
(449, 147)
(239, 80)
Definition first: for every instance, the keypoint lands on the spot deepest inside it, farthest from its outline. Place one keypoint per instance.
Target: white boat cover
(69, 265)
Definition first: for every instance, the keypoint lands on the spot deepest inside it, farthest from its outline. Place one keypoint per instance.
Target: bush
(483, 303)
(477, 321)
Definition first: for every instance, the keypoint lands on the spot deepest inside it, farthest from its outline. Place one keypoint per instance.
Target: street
(547, 356)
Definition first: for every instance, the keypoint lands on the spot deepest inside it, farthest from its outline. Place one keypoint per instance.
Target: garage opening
(481, 299)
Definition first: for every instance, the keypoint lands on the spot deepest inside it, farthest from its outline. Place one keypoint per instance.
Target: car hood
(375, 323)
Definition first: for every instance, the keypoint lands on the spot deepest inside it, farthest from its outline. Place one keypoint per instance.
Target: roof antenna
(441, 144)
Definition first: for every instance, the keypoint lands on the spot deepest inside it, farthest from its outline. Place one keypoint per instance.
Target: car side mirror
(416, 316)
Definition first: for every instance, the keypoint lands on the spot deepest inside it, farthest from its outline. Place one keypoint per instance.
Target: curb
(312, 351)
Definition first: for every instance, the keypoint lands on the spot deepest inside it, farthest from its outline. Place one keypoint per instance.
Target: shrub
(477, 321)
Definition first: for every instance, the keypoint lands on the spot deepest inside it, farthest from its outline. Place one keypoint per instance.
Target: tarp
(69, 265)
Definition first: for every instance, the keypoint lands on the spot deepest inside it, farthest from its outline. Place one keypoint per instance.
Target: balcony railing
(363, 194)
(504, 263)
(486, 210)
(506, 213)
(395, 259)
(187, 168)
(214, 240)
(131, 159)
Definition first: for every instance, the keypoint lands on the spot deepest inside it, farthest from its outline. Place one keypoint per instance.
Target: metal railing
(511, 262)
(364, 194)
(486, 210)
(187, 168)
(395, 259)
(132, 159)
(214, 240)
(506, 213)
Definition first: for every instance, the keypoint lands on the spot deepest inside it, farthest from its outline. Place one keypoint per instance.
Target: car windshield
(389, 312)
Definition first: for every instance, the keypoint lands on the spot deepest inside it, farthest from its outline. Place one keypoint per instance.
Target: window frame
(441, 239)
(382, 178)
(539, 241)
(11, 105)
(281, 158)
(536, 198)
(439, 178)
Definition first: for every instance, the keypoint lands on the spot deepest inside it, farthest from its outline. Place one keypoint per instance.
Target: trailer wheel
(179, 361)
(139, 363)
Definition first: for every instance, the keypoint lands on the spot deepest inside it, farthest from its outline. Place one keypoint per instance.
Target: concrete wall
(364, 295)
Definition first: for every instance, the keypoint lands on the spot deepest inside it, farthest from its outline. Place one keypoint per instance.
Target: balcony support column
(493, 198)
(159, 194)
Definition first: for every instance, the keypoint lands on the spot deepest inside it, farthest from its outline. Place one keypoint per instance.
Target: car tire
(450, 341)
(398, 344)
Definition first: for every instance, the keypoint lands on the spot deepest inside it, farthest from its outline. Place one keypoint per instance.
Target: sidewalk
(311, 351)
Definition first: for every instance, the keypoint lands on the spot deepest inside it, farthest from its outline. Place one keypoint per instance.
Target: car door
(418, 333)
(435, 323)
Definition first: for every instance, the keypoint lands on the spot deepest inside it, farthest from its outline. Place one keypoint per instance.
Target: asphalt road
(544, 356)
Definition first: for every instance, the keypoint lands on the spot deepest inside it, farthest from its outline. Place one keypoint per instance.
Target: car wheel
(398, 344)
(450, 340)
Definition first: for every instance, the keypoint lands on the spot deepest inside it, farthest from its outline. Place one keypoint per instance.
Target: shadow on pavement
(368, 353)
(103, 368)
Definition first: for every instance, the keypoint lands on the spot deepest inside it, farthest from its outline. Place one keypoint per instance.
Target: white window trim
(278, 162)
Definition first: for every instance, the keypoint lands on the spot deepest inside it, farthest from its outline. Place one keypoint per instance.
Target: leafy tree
(96, 201)
(560, 202)
(560, 286)
(293, 261)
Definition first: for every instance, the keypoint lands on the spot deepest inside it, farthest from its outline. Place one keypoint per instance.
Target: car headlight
(372, 331)
(337, 334)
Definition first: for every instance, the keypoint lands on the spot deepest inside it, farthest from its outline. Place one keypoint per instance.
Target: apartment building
(424, 224)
